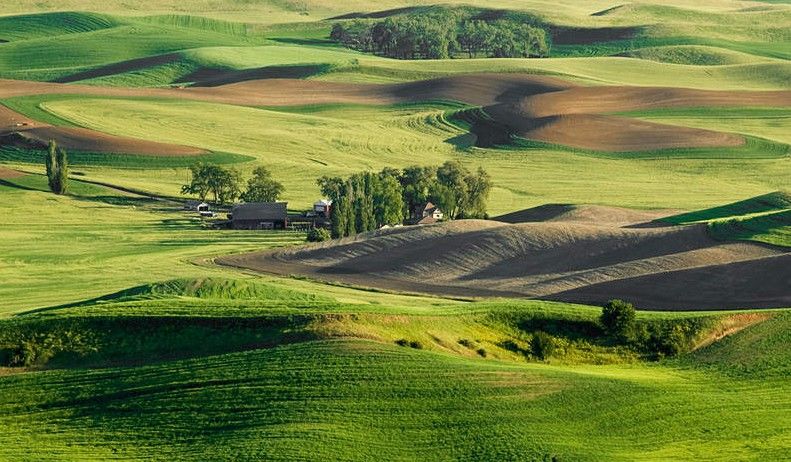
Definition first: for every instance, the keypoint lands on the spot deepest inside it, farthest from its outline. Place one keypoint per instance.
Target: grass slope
(764, 218)
(361, 400)
(340, 139)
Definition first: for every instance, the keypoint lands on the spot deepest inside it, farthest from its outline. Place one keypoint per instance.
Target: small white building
(196, 206)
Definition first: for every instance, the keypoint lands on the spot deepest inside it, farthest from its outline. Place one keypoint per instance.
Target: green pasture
(362, 400)
(764, 218)
(672, 46)
(144, 349)
(340, 139)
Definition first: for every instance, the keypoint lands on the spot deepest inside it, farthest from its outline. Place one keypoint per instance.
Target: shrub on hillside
(618, 318)
(318, 235)
(25, 349)
(668, 339)
(542, 345)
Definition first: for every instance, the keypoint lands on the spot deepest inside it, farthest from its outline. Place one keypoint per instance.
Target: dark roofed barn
(259, 215)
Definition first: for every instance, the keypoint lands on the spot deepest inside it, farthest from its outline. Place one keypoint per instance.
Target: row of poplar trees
(57, 164)
(366, 201)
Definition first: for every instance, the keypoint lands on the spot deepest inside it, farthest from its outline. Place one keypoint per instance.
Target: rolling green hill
(121, 337)
(265, 380)
(765, 218)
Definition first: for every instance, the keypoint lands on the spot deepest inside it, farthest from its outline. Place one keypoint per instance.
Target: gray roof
(260, 211)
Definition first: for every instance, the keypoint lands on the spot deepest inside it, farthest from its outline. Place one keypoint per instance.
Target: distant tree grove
(366, 201)
(443, 36)
(57, 165)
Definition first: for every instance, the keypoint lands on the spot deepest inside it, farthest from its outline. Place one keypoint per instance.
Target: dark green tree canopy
(262, 187)
(223, 183)
(618, 318)
(367, 201)
(444, 34)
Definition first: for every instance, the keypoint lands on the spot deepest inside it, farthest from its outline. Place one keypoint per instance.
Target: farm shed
(259, 215)
(196, 206)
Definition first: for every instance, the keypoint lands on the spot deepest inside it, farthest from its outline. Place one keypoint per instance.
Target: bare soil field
(535, 107)
(7, 173)
(574, 256)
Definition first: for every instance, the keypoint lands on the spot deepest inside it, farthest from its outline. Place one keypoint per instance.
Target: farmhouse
(426, 214)
(259, 215)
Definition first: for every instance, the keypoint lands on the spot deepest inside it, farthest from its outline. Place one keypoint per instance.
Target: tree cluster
(57, 164)
(364, 201)
(656, 338)
(457, 191)
(225, 184)
(443, 36)
(367, 201)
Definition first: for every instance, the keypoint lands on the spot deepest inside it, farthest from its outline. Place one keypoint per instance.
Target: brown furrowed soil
(572, 257)
(7, 173)
(535, 107)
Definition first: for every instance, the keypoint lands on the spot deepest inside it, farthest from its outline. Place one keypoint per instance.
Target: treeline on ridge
(366, 201)
(442, 35)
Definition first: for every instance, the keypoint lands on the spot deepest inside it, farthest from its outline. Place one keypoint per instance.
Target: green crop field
(123, 336)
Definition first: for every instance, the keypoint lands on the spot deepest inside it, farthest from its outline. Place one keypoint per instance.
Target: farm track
(536, 107)
(572, 257)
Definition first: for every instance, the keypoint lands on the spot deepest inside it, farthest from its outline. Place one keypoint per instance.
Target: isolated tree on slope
(262, 187)
(51, 162)
(62, 171)
(57, 165)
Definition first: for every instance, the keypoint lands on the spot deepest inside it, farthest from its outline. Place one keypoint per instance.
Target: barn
(259, 215)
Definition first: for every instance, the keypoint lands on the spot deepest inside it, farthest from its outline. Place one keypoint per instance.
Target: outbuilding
(259, 215)
(196, 206)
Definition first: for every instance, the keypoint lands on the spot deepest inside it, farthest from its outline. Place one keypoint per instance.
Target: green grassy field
(765, 218)
(121, 339)
(341, 139)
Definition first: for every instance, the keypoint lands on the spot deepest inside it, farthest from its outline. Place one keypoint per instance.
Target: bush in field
(542, 345)
(618, 318)
(668, 339)
(416, 344)
(318, 235)
(467, 343)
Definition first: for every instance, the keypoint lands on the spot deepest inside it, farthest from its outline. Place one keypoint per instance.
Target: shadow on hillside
(209, 77)
(303, 41)
(11, 184)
